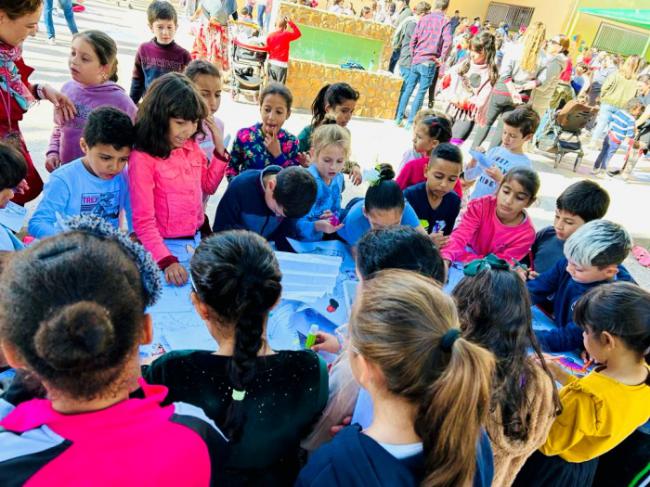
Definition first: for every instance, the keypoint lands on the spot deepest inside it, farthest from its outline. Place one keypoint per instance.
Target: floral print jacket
(249, 151)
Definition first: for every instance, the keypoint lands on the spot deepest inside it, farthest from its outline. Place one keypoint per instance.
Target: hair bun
(75, 336)
(329, 120)
(386, 172)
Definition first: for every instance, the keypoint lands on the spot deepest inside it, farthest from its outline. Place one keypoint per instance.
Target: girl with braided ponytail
(264, 401)
(430, 389)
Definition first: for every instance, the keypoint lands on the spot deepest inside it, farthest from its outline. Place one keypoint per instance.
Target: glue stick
(311, 337)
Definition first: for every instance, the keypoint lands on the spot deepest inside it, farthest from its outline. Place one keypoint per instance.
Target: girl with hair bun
(430, 389)
(383, 206)
(101, 423)
(264, 401)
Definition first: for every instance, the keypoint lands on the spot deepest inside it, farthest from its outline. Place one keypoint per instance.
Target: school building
(617, 26)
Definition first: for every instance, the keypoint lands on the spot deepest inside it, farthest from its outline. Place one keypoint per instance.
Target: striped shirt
(431, 39)
(622, 125)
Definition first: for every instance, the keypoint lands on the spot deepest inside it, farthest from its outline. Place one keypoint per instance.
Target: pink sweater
(166, 195)
(481, 233)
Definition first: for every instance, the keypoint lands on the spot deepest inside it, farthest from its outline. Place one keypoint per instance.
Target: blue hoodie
(354, 459)
(327, 198)
(558, 285)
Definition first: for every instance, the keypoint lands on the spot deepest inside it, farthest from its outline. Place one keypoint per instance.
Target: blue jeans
(66, 5)
(602, 122)
(606, 153)
(422, 74)
(260, 15)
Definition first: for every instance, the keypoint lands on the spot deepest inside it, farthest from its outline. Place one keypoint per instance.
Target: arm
(416, 34)
(464, 234)
(228, 216)
(446, 41)
(55, 141)
(295, 31)
(519, 246)
(546, 283)
(137, 80)
(55, 199)
(211, 175)
(560, 339)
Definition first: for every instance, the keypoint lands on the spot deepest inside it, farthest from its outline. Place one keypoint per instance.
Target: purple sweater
(65, 137)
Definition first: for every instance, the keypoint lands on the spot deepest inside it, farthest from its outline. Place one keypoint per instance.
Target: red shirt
(413, 172)
(277, 43)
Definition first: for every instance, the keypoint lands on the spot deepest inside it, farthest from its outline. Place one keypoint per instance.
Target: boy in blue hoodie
(95, 184)
(13, 169)
(593, 256)
(267, 201)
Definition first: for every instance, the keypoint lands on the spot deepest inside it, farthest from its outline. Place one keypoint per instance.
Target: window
(620, 41)
(513, 15)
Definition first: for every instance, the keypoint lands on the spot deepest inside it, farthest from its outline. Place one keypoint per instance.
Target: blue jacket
(353, 459)
(243, 207)
(327, 198)
(557, 285)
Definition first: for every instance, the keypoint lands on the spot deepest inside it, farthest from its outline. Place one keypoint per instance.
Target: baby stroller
(559, 131)
(247, 61)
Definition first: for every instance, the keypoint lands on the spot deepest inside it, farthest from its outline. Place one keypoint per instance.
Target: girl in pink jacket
(497, 224)
(169, 172)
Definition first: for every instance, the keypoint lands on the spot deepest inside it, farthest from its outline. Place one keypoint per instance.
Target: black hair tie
(448, 339)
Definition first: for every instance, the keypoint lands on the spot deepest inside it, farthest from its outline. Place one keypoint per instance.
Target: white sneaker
(51, 41)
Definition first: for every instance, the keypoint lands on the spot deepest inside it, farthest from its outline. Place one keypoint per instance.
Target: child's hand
(272, 144)
(355, 175)
(558, 372)
(176, 274)
(217, 135)
(325, 226)
(439, 239)
(335, 429)
(304, 159)
(22, 187)
(495, 173)
(52, 161)
(326, 342)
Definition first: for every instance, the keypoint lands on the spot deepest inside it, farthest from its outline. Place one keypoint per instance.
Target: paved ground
(373, 140)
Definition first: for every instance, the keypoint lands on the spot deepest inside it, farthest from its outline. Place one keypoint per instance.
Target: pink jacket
(481, 233)
(166, 195)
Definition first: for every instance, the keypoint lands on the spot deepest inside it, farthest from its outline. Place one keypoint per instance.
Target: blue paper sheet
(481, 159)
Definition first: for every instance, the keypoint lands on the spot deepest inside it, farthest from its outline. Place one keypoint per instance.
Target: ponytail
(332, 96)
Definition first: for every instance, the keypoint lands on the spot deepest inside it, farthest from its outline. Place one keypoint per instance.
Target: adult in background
(454, 22)
(430, 45)
(553, 62)
(403, 13)
(66, 5)
(18, 20)
(403, 43)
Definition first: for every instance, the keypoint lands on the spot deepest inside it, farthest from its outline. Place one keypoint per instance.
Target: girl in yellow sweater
(601, 409)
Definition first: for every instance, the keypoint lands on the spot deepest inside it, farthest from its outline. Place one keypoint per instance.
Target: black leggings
(461, 129)
(498, 105)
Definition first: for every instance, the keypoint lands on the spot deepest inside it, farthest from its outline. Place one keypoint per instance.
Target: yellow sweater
(598, 413)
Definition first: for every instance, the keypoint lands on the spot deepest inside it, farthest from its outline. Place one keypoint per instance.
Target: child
(621, 129)
(600, 410)
(93, 66)
(207, 79)
(427, 134)
(161, 54)
(267, 201)
(494, 310)
(578, 204)
(95, 184)
(593, 256)
(518, 128)
(13, 170)
(497, 224)
(277, 45)
(100, 422)
(383, 206)
(330, 149)
(169, 173)
(434, 201)
(266, 143)
(430, 390)
(264, 401)
(212, 40)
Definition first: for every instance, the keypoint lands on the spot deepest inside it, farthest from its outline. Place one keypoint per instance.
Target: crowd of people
(461, 389)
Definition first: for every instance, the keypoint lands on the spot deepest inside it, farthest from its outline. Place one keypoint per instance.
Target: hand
(22, 187)
(355, 175)
(495, 173)
(64, 108)
(516, 99)
(335, 429)
(52, 161)
(304, 159)
(584, 355)
(439, 239)
(272, 144)
(325, 226)
(558, 372)
(326, 215)
(176, 274)
(217, 135)
(326, 342)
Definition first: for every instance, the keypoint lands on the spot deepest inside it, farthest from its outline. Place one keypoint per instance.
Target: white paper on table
(307, 277)
(333, 248)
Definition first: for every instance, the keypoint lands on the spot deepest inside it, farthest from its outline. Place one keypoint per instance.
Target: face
(644, 87)
(477, 57)
(210, 89)
(271, 202)
(512, 200)
(274, 113)
(6, 195)
(442, 176)
(343, 112)
(512, 138)
(164, 31)
(180, 130)
(330, 161)
(14, 32)
(383, 218)
(586, 274)
(566, 223)
(84, 64)
(422, 142)
(104, 160)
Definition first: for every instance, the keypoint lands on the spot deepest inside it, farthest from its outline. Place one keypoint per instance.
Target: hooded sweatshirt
(65, 136)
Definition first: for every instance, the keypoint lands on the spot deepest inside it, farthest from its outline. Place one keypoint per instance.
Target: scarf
(10, 80)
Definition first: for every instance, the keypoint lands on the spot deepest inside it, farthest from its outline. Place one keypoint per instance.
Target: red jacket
(277, 43)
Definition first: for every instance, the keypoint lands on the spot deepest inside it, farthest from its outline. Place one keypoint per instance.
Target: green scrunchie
(490, 261)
